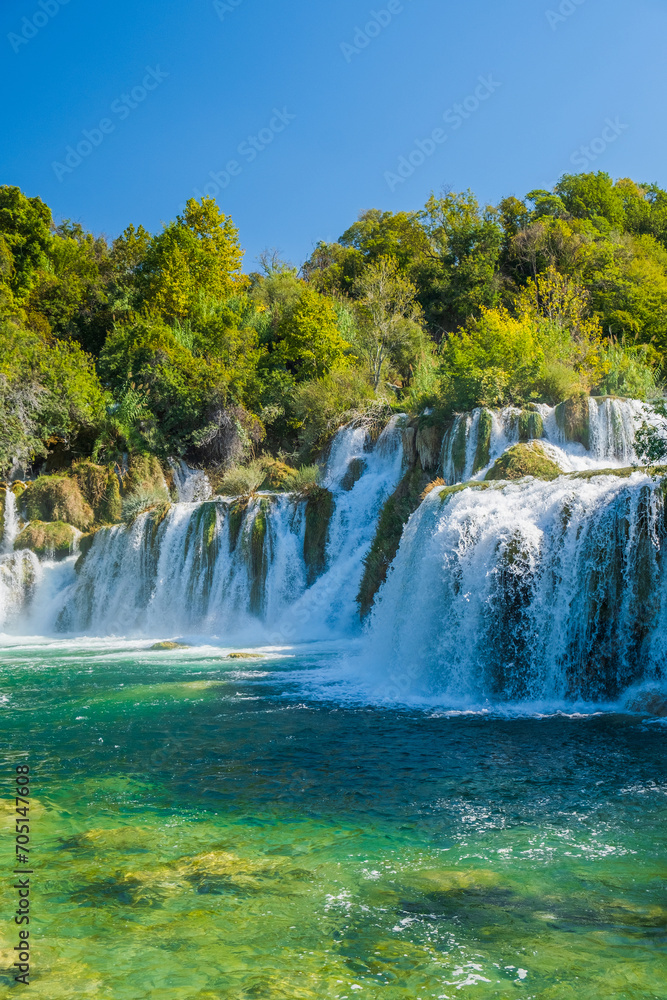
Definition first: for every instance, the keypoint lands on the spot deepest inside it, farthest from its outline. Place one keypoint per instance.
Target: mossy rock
(483, 450)
(245, 656)
(165, 646)
(409, 436)
(101, 490)
(594, 473)
(524, 460)
(320, 506)
(395, 513)
(144, 473)
(236, 513)
(355, 471)
(52, 540)
(573, 418)
(256, 557)
(57, 498)
(278, 476)
(531, 426)
(85, 545)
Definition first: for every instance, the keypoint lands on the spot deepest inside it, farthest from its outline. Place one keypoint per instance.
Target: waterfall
(273, 567)
(499, 592)
(524, 592)
(20, 573)
(11, 523)
(474, 441)
(190, 484)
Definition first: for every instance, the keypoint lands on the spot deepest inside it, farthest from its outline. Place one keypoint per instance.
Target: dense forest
(158, 346)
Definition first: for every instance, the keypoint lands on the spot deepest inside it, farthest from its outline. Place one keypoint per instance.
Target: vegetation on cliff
(159, 344)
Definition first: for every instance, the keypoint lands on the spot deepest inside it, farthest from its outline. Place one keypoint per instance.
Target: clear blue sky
(555, 81)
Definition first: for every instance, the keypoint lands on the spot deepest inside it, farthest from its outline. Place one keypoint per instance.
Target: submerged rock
(159, 646)
(54, 540)
(652, 702)
(524, 460)
(244, 656)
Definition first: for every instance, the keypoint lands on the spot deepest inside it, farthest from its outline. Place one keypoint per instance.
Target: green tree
(198, 253)
(49, 394)
(458, 277)
(307, 340)
(25, 225)
(390, 317)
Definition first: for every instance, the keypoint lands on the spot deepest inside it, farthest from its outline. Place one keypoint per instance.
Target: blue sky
(336, 95)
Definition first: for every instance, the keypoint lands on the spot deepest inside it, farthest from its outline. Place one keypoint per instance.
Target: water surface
(207, 828)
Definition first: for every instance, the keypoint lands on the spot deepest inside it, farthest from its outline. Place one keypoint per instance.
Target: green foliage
(25, 224)
(303, 480)
(650, 445)
(48, 392)
(632, 370)
(495, 360)
(322, 405)
(198, 253)
(458, 276)
(389, 318)
(158, 345)
(307, 339)
(241, 480)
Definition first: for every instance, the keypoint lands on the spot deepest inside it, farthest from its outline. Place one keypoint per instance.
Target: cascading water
(499, 592)
(19, 571)
(11, 523)
(190, 484)
(529, 591)
(475, 440)
(247, 570)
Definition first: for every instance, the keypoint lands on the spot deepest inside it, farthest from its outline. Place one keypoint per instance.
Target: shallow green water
(205, 829)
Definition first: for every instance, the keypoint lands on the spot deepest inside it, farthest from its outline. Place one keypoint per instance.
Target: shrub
(241, 480)
(303, 479)
(142, 499)
(632, 371)
(323, 405)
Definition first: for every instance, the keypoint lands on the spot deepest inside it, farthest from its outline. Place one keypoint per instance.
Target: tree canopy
(158, 343)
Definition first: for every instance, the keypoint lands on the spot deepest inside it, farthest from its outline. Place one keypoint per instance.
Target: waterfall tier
(528, 591)
(498, 591)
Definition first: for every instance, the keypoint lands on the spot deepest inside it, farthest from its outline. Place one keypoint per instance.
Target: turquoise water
(207, 828)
